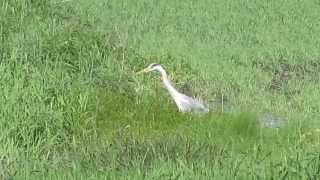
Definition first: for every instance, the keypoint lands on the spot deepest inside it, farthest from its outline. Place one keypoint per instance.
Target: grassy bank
(73, 108)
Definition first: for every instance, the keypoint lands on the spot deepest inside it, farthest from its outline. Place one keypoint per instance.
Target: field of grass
(73, 108)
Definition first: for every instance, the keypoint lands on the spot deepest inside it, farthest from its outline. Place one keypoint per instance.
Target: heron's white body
(183, 102)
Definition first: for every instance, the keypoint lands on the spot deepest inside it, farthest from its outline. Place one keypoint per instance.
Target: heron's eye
(154, 65)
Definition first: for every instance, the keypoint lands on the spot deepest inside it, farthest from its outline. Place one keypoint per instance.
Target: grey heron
(183, 102)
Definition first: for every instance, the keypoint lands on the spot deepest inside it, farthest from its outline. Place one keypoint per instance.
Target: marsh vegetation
(72, 108)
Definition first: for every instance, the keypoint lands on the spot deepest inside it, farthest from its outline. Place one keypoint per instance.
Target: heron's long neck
(168, 83)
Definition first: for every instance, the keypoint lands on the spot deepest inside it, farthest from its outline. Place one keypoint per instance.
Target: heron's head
(152, 67)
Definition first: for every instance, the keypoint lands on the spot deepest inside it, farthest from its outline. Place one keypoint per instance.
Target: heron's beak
(143, 71)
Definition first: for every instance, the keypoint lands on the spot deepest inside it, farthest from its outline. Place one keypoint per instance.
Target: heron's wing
(189, 104)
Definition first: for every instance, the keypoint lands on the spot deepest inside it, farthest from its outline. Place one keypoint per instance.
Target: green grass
(72, 107)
